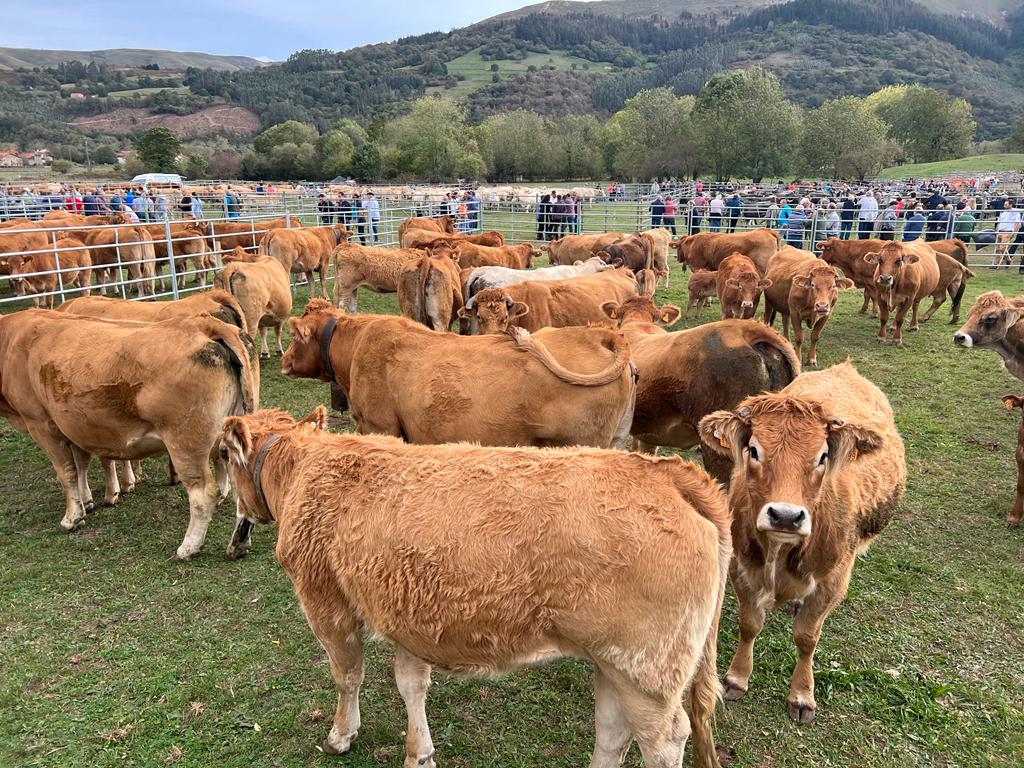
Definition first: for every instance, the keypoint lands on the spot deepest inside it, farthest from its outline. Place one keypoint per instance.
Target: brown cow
(739, 285)
(819, 470)
(613, 557)
(686, 375)
(430, 291)
(39, 271)
(635, 252)
(188, 242)
(572, 248)
(803, 290)
(130, 247)
(904, 274)
(260, 285)
(848, 255)
(228, 235)
(540, 304)
(404, 380)
(994, 322)
(706, 250)
(442, 225)
(125, 390)
(218, 304)
(702, 287)
(512, 256)
(305, 250)
(661, 240)
(425, 238)
(953, 247)
(359, 266)
(1017, 511)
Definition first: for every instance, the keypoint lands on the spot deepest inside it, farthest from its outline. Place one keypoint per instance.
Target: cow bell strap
(325, 347)
(257, 467)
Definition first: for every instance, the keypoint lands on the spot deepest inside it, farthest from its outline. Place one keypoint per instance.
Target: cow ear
(848, 441)
(912, 258)
(518, 309)
(298, 328)
(611, 308)
(725, 433)
(802, 281)
(669, 314)
(732, 282)
(317, 419)
(236, 439)
(464, 314)
(844, 283)
(871, 257)
(577, 263)
(1013, 401)
(820, 245)
(766, 283)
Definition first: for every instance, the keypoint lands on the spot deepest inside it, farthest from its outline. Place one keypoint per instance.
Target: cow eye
(899, 262)
(823, 459)
(753, 453)
(989, 321)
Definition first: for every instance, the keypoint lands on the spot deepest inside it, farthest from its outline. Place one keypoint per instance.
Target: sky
(270, 29)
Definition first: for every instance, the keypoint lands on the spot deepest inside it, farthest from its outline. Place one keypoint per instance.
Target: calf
(260, 285)
(904, 274)
(634, 252)
(701, 288)
(739, 286)
(613, 557)
(572, 248)
(819, 470)
(994, 323)
(512, 256)
(848, 255)
(661, 240)
(305, 250)
(1014, 518)
(429, 291)
(39, 271)
(707, 250)
(359, 266)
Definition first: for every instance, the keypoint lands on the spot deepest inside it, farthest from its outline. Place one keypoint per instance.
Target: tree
(195, 167)
(335, 150)
(288, 132)
(573, 147)
(843, 138)
(104, 155)
(515, 145)
(432, 141)
(157, 150)
(60, 166)
(366, 163)
(225, 165)
(928, 124)
(352, 129)
(1015, 141)
(747, 126)
(651, 136)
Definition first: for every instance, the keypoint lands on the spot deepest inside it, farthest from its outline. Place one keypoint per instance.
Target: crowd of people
(558, 214)
(359, 213)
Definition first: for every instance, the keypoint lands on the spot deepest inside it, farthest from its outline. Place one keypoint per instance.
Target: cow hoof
(913, 329)
(813, 363)
(73, 526)
(89, 506)
(111, 501)
(336, 744)
(732, 690)
(426, 761)
(802, 713)
(264, 355)
(880, 340)
(1013, 522)
(237, 553)
(184, 555)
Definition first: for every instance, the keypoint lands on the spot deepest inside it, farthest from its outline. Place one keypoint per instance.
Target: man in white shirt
(1006, 229)
(868, 213)
(371, 214)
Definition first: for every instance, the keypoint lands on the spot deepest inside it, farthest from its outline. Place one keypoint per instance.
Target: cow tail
(241, 350)
(228, 300)
(961, 248)
(265, 242)
(959, 297)
(525, 342)
(780, 360)
(421, 292)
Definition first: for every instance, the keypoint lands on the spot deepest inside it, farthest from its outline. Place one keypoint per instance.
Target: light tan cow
(739, 286)
(260, 285)
(613, 557)
(228, 235)
(359, 266)
(131, 248)
(305, 250)
(442, 225)
(701, 288)
(430, 291)
(511, 256)
(572, 248)
(39, 271)
(425, 238)
(819, 470)
(216, 303)
(661, 240)
(705, 250)
(124, 390)
(189, 244)
(404, 380)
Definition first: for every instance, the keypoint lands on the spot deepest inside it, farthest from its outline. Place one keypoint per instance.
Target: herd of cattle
(440, 525)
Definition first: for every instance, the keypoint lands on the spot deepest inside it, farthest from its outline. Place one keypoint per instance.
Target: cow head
(889, 263)
(682, 250)
(491, 312)
(822, 285)
(640, 309)
(236, 254)
(242, 441)
(786, 449)
(341, 235)
(443, 249)
(608, 258)
(827, 249)
(746, 287)
(302, 358)
(989, 320)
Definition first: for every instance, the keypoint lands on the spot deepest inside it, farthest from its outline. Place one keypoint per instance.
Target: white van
(146, 180)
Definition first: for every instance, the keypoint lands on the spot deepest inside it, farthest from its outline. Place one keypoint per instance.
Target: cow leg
(659, 724)
(864, 307)
(340, 636)
(58, 450)
(938, 299)
(812, 350)
(136, 467)
(612, 734)
(897, 323)
(82, 460)
(223, 476)
(311, 284)
(111, 482)
(806, 631)
(798, 334)
(914, 324)
(277, 337)
(128, 476)
(737, 679)
(785, 326)
(413, 677)
(323, 282)
(883, 318)
(1017, 511)
(202, 496)
(648, 448)
(264, 349)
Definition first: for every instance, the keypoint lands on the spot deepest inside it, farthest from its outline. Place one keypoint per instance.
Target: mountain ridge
(15, 58)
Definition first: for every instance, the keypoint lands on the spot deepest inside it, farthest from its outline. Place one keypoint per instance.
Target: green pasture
(958, 167)
(113, 655)
(477, 72)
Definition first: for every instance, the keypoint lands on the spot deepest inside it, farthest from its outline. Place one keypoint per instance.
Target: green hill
(965, 165)
(16, 58)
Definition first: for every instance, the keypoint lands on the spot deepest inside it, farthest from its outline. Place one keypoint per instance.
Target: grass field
(477, 72)
(963, 165)
(113, 655)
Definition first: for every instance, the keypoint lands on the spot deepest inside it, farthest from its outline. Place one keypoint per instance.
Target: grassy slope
(963, 165)
(477, 71)
(113, 655)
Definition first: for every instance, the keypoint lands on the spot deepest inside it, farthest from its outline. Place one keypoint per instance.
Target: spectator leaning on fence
(698, 206)
(868, 213)
(716, 208)
(914, 225)
(832, 222)
(848, 214)
(734, 204)
(657, 211)
(796, 223)
(938, 224)
(771, 215)
(784, 213)
(668, 220)
(1006, 229)
(197, 207)
(887, 222)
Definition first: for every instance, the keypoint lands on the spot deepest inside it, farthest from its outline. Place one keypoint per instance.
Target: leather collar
(325, 346)
(257, 467)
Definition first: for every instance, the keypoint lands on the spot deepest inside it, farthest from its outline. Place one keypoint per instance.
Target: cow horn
(469, 304)
(508, 302)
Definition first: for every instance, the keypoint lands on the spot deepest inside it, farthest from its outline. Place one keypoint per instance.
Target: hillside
(17, 58)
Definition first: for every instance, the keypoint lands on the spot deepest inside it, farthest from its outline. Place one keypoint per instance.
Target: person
(325, 209)
(197, 207)
(848, 213)
(542, 216)
(963, 226)
(1007, 228)
(341, 205)
(657, 211)
(133, 217)
(734, 204)
(139, 206)
(716, 209)
(668, 219)
(232, 204)
(934, 200)
(698, 206)
(260, 190)
(887, 222)
(185, 204)
(129, 198)
(785, 211)
(372, 209)
(832, 222)
(866, 217)
(796, 223)
(473, 208)
(914, 225)
(938, 221)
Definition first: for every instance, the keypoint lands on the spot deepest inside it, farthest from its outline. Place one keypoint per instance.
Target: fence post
(56, 260)
(170, 258)
(117, 252)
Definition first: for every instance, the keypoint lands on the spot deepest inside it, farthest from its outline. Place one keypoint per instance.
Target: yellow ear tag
(721, 439)
(1008, 405)
(853, 455)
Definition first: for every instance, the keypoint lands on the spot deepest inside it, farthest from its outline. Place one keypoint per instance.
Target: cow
(111, 248)
(359, 266)
(848, 255)
(305, 250)
(442, 225)
(555, 303)
(953, 247)
(818, 472)
(701, 288)
(220, 305)
(572, 248)
(261, 288)
(685, 375)
(424, 238)
(907, 272)
(125, 390)
(613, 557)
(481, 278)
(739, 285)
(39, 271)
(803, 290)
(188, 243)
(228, 235)
(661, 240)
(994, 323)
(403, 379)
(512, 256)
(706, 250)
(430, 292)
(1017, 511)
(635, 252)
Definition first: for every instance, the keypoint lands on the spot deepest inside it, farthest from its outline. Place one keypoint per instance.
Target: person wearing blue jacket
(914, 225)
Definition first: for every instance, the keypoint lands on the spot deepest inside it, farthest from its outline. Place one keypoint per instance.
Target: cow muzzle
(962, 339)
(778, 517)
(823, 310)
(885, 281)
